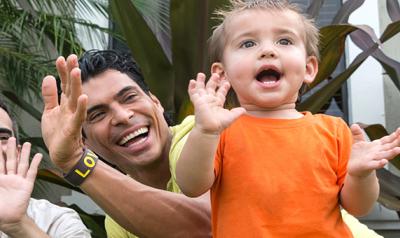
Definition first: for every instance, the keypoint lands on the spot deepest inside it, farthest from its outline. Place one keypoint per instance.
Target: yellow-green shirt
(179, 136)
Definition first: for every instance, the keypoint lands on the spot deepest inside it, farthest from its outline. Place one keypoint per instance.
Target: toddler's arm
(195, 167)
(361, 187)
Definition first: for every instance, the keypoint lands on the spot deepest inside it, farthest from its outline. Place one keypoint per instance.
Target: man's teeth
(133, 135)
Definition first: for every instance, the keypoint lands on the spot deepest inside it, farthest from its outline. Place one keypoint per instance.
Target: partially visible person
(20, 215)
(274, 171)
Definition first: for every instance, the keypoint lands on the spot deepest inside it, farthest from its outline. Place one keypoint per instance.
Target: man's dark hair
(4, 106)
(95, 62)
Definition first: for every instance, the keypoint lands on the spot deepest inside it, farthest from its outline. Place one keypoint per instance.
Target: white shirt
(55, 221)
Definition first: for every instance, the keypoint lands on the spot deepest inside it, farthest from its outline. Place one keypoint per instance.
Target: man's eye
(95, 117)
(285, 42)
(247, 44)
(129, 98)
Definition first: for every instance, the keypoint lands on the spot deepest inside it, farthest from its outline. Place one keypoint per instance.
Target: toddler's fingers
(200, 83)
(222, 92)
(377, 164)
(389, 154)
(357, 133)
(395, 136)
(212, 84)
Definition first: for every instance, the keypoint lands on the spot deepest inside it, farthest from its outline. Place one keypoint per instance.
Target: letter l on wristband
(82, 169)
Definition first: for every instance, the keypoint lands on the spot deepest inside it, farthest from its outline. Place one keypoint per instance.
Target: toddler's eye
(285, 42)
(247, 44)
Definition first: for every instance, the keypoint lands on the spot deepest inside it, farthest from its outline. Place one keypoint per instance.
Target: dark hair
(95, 62)
(14, 122)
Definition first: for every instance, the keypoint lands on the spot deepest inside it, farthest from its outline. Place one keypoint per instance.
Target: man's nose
(121, 115)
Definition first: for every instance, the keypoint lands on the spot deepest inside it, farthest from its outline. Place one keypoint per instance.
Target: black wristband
(82, 169)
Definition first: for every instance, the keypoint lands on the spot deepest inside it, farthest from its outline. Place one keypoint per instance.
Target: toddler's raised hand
(208, 100)
(368, 156)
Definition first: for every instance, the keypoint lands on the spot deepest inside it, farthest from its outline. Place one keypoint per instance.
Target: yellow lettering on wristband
(89, 161)
(80, 173)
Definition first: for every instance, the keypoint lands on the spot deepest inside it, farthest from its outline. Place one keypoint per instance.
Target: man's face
(124, 125)
(6, 130)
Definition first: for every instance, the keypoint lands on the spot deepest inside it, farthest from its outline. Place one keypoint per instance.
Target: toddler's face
(265, 58)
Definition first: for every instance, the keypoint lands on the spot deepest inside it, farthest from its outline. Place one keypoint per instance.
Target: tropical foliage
(32, 34)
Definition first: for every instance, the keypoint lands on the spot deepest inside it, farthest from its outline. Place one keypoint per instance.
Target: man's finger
(61, 66)
(71, 63)
(75, 88)
(49, 93)
(80, 114)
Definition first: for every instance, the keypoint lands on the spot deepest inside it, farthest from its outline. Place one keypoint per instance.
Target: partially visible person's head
(221, 33)
(266, 49)
(8, 125)
(125, 124)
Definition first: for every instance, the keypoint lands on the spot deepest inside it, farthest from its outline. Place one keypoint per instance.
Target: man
(123, 123)
(125, 126)
(22, 216)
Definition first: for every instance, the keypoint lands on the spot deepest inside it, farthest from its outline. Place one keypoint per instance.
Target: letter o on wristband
(82, 169)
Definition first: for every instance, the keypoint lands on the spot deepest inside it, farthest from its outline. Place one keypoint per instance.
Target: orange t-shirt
(281, 178)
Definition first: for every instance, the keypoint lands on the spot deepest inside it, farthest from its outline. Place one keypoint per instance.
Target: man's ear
(311, 69)
(156, 102)
(218, 68)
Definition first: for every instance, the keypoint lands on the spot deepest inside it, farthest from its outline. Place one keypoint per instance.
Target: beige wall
(392, 94)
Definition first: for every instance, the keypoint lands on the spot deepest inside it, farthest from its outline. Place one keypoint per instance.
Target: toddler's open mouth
(268, 76)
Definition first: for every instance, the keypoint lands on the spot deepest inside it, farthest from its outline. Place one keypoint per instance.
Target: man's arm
(143, 210)
(361, 188)
(16, 184)
(195, 167)
(146, 211)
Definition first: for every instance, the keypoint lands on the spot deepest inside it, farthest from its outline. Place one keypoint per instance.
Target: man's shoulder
(187, 123)
(181, 130)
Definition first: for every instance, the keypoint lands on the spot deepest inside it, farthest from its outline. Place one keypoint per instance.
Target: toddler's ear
(311, 69)
(218, 68)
